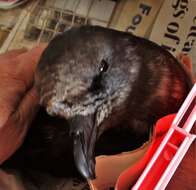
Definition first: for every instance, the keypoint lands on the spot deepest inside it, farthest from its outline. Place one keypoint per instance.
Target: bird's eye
(103, 66)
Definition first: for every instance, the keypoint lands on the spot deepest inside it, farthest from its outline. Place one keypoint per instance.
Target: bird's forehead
(87, 49)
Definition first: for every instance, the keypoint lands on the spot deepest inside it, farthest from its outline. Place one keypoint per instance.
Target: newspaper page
(175, 26)
(136, 16)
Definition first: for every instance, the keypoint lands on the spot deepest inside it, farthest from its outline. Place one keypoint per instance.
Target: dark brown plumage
(100, 79)
(110, 87)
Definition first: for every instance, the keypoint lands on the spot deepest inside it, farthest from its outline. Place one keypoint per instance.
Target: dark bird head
(81, 78)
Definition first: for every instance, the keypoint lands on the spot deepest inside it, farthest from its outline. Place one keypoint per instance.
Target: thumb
(28, 62)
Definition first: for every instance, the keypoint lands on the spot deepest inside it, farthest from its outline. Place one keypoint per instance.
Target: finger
(12, 54)
(28, 107)
(28, 62)
(186, 60)
(11, 93)
(16, 79)
(31, 58)
(14, 131)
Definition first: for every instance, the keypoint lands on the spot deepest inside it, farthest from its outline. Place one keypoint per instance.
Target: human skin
(18, 97)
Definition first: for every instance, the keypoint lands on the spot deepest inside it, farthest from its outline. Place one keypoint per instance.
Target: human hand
(18, 98)
(186, 60)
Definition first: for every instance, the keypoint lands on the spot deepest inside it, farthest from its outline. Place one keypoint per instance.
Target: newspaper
(135, 16)
(171, 24)
(175, 26)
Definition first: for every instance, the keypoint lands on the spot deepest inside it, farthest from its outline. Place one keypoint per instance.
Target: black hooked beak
(84, 133)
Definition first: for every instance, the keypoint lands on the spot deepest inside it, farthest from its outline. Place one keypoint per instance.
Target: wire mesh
(51, 17)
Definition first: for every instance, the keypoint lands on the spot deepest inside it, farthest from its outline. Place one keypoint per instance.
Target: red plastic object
(172, 149)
